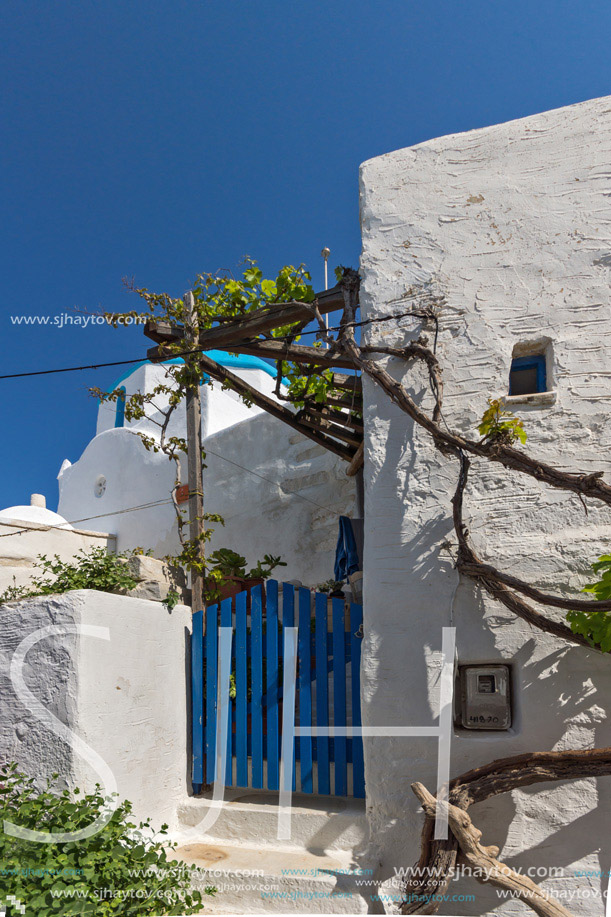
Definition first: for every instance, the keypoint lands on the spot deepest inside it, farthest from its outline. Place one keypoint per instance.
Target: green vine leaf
(500, 425)
(595, 626)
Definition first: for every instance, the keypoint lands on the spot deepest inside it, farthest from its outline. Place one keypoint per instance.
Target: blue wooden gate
(327, 690)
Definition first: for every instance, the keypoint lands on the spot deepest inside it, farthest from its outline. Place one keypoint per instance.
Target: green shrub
(123, 869)
(93, 569)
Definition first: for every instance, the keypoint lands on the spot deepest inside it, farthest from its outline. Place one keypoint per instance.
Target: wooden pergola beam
(221, 374)
(350, 402)
(296, 353)
(338, 417)
(163, 332)
(252, 324)
(337, 432)
(357, 461)
(347, 383)
(343, 433)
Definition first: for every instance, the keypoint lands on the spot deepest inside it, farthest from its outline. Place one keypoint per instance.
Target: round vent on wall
(99, 487)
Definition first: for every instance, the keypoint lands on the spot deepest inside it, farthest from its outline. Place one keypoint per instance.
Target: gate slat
(334, 650)
(197, 695)
(256, 701)
(339, 697)
(288, 620)
(356, 642)
(211, 650)
(272, 679)
(322, 694)
(305, 691)
(226, 621)
(241, 687)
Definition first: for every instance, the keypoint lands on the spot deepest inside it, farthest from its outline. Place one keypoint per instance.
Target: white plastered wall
(220, 409)
(508, 231)
(125, 697)
(279, 493)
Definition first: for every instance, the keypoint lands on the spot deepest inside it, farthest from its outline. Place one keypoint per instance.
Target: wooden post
(194, 455)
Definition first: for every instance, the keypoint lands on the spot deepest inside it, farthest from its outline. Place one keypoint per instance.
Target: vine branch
(438, 858)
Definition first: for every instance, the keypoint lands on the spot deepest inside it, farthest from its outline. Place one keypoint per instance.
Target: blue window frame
(120, 409)
(527, 375)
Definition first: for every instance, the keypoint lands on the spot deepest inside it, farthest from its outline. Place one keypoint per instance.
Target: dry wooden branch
(479, 570)
(296, 353)
(438, 857)
(483, 862)
(494, 585)
(416, 350)
(589, 485)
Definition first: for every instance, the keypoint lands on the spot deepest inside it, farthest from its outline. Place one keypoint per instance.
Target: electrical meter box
(485, 697)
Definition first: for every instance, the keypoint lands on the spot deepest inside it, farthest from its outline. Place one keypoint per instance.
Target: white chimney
(38, 500)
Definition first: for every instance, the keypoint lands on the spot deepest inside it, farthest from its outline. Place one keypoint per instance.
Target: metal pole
(325, 253)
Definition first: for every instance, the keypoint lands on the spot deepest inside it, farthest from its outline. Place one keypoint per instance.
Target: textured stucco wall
(125, 697)
(288, 507)
(507, 230)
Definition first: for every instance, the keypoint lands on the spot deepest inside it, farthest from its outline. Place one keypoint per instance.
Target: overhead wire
(62, 525)
(184, 353)
(152, 504)
(292, 493)
(131, 509)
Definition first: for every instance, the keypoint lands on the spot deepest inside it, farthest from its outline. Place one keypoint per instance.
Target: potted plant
(227, 574)
(333, 588)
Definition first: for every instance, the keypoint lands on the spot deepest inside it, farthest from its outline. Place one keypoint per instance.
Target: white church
(278, 492)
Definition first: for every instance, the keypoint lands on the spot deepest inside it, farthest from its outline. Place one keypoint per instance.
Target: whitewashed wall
(288, 501)
(220, 408)
(510, 227)
(278, 491)
(126, 698)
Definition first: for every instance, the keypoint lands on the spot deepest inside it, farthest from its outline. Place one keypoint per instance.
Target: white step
(318, 824)
(284, 881)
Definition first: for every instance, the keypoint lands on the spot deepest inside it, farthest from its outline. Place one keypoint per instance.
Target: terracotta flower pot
(232, 587)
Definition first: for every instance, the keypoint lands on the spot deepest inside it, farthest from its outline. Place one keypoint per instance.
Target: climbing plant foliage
(595, 626)
(218, 298)
(499, 424)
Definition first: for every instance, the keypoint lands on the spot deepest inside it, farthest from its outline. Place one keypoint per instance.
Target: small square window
(527, 375)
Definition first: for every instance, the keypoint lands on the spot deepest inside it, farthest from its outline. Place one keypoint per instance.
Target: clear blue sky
(158, 139)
